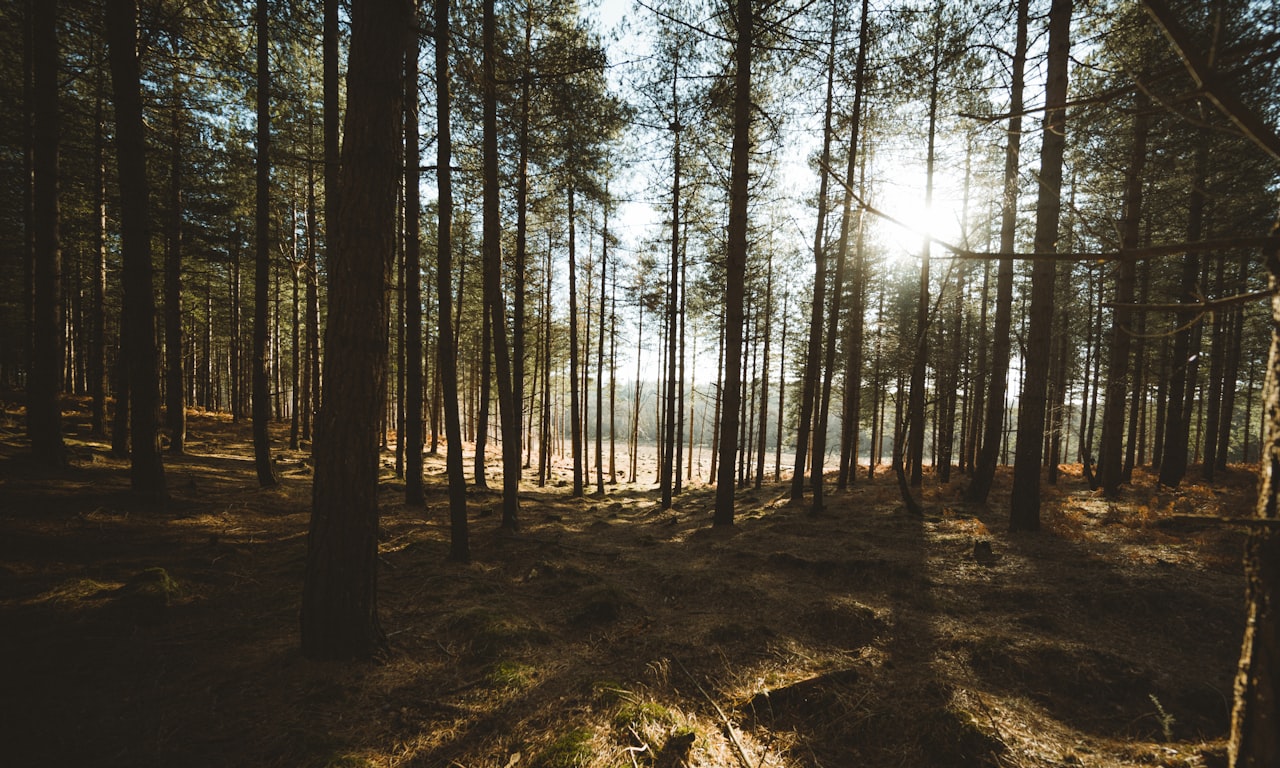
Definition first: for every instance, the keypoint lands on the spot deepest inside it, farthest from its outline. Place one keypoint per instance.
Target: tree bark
(446, 350)
(414, 397)
(44, 386)
(146, 474)
(736, 263)
(1111, 463)
(1173, 459)
(813, 355)
(339, 616)
(1024, 511)
(262, 263)
(175, 416)
(508, 408)
(984, 470)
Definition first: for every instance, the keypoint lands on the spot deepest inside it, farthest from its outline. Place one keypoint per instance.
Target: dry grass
(609, 634)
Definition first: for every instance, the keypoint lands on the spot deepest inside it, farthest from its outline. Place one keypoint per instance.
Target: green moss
(638, 714)
(510, 674)
(572, 750)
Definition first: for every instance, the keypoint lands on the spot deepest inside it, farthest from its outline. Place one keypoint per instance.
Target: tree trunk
(414, 398)
(984, 470)
(1255, 740)
(813, 356)
(736, 263)
(262, 263)
(98, 306)
(604, 261)
(44, 386)
(446, 349)
(339, 616)
(138, 332)
(575, 413)
(508, 407)
(764, 372)
(1173, 459)
(1024, 511)
(1111, 463)
(175, 417)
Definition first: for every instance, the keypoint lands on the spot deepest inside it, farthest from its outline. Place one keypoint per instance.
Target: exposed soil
(610, 633)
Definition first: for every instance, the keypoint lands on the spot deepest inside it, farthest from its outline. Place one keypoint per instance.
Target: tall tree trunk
(98, 305)
(604, 261)
(485, 397)
(311, 365)
(413, 396)
(1217, 364)
(339, 616)
(1232, 374)
(262, 263)
(1024, 507)
(916, 397)
(1255, 741)
(736, 263)
(175, 417)
(1111, 463)
(44, 385)
(837, 283)
(813, 355)
(1173, 461)
(575, 412)
(446, 346)
(665, 480)
(508, 407)
(984, 470)
(764, 369)
(146, 473)
(782, 391)
(852, 404)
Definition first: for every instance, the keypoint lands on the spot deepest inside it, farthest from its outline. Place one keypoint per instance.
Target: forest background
(959, 236)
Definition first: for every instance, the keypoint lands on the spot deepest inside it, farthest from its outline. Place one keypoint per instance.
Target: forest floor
(609, 633)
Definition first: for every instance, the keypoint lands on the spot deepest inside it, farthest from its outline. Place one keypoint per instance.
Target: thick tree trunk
(44, 385)
(736, 263)
(1255, 739)
(1024, 510)
(262, 263)
(138, 332)
(339, 617)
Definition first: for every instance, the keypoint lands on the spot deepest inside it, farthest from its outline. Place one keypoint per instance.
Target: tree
(446, 355)
(495, 304)
(339, 617)
(146, 473)
(44, 402)
(985, 469)
(1024, 510)
(736, 262)
(813, 355)
(414, 433)
(262, 263)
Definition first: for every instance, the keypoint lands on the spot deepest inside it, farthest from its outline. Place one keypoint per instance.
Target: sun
(908, 220)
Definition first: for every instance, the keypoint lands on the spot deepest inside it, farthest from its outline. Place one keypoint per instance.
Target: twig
(633, 751)
(724, 719)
